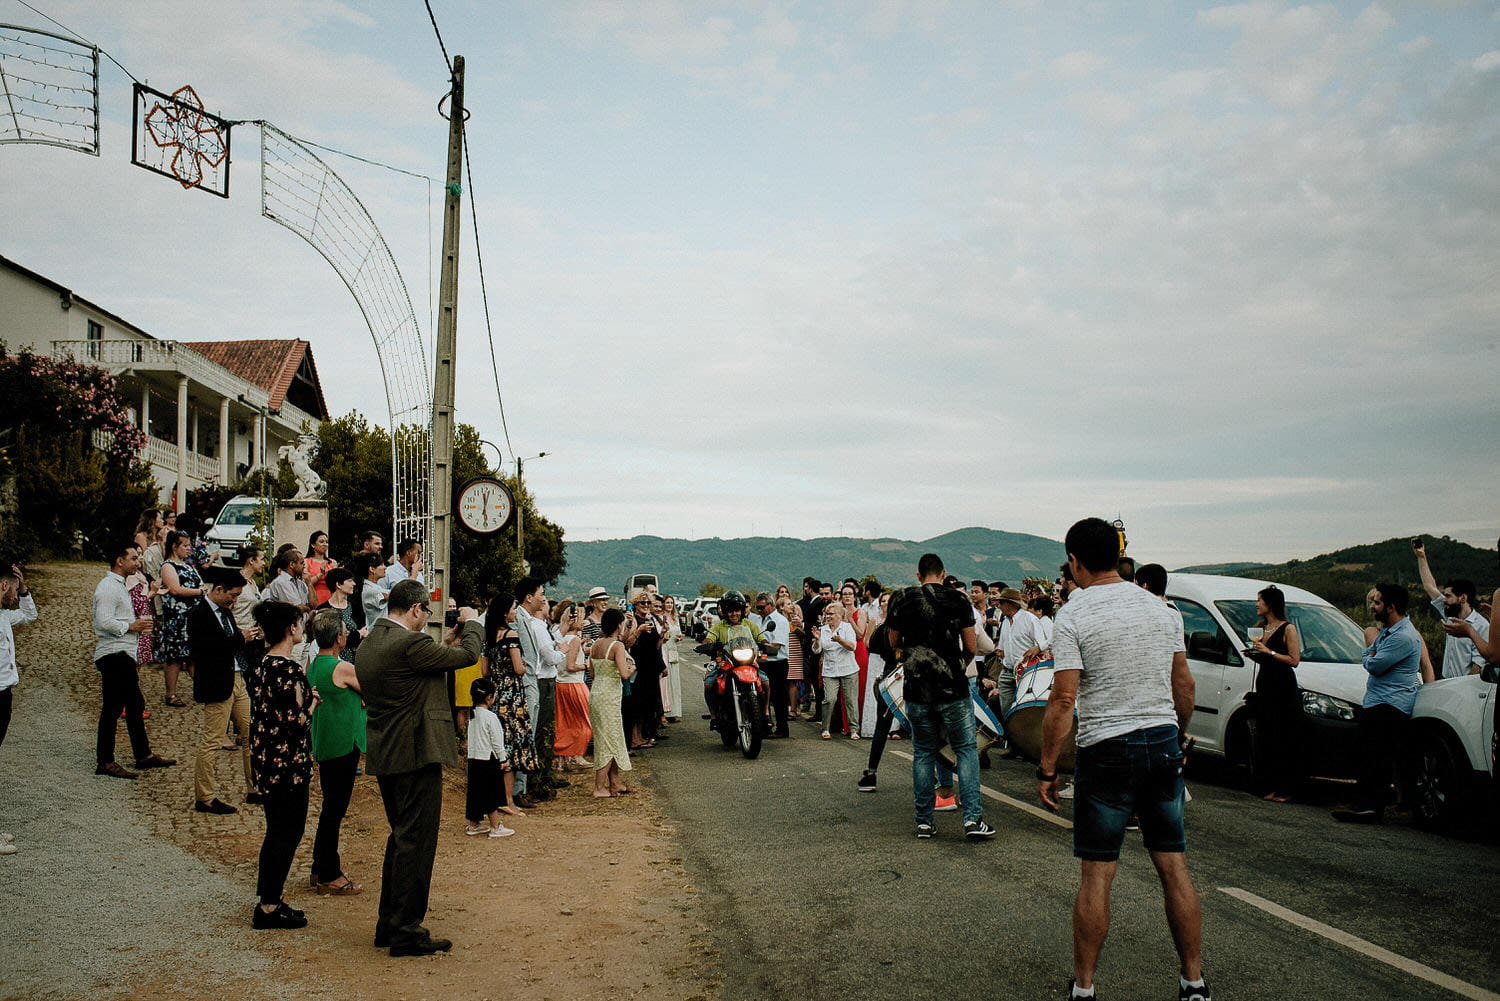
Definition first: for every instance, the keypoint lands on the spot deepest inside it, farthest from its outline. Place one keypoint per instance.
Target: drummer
(1019, 641)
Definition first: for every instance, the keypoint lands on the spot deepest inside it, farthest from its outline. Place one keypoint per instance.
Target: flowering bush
(68, 492)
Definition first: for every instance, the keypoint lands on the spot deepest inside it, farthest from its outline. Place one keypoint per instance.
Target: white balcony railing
(161, 356)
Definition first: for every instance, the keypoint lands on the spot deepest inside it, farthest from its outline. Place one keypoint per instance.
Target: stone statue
(310, 485)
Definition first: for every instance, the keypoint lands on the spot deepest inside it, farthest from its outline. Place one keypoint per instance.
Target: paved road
(819, 891)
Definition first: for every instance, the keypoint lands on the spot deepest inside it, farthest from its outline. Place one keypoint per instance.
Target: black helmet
(730, 601)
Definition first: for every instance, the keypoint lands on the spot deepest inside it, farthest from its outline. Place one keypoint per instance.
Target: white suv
(232, 528)
(1450, 756)
(1216, 612)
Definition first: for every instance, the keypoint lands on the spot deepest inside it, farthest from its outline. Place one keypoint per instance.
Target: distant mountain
(1343, 577)
(684, 566)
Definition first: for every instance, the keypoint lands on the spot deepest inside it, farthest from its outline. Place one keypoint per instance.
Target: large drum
(1023, 720)
(891, 690)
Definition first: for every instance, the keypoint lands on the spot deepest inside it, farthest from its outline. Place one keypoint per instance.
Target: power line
(76, 35)
(433, 18)
(484, 293)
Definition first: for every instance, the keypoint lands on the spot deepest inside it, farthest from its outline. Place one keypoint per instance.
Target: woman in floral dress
(181, 588)
(503, 663)
(281, 708)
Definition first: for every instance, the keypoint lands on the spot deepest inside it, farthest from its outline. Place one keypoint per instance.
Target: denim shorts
(1138, 773)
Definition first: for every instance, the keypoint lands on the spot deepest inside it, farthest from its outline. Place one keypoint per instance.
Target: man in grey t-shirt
(1120, 660)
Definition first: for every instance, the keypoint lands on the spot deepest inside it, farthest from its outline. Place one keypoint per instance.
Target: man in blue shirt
(1393, 662)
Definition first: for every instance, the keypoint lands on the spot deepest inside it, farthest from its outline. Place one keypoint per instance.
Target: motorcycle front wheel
(751, 724)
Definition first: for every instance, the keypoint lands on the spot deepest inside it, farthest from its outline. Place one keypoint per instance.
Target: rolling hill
(1343, 576)
(684, 565)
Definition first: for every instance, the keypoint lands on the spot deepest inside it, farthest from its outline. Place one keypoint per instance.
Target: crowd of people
(330, 669)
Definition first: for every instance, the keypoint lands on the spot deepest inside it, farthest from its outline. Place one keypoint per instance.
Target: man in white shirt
(17, 608)
(542, 659)
(116, 635)
(1454, 601)
(1121, 663)
(777, 631)
(1018, 641)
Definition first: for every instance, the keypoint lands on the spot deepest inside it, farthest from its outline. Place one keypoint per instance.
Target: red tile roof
(269, 364)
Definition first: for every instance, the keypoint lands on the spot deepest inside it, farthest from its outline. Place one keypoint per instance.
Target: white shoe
(1066, 792)
(1187, 794)
(6, 848)
(6, 838)
(473, 831)
(501, 832)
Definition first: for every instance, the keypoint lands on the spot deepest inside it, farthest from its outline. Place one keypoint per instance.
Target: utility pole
(443, 375)
(521, 517)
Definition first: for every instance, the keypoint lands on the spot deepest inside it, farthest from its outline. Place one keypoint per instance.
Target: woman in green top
(338, 739)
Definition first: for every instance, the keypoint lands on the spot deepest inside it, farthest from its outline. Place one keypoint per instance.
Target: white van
(636, 583)
(232, 527)
(1216, 612)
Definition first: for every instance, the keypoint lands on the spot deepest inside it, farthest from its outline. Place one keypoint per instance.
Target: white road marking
(1359, 945)
(1024, 807)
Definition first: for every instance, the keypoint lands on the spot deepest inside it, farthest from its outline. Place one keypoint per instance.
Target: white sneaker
(472, 831)
(1187, 794)
(501, 832)
(7, 848)
(1066, 792)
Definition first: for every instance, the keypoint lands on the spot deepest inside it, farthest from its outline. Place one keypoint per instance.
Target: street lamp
(521, 507)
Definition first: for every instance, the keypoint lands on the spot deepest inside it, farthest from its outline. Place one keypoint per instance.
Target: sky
(877, 268)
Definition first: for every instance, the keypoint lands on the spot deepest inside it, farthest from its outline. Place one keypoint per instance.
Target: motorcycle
(738, 695)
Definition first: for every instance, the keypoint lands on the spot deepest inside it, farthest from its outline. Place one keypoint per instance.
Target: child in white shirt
(487, 755)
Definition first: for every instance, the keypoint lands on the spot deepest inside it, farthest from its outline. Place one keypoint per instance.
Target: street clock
(485, 505)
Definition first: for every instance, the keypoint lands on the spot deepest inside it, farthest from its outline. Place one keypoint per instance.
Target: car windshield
(237, 514)
(1328, 635)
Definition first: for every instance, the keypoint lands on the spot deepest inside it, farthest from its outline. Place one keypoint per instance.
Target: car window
(237, 514)
(1328, 635)
(1197, 619)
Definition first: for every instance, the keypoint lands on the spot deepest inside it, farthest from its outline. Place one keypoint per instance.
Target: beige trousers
(216, 717)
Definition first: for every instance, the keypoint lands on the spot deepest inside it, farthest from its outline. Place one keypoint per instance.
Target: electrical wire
(433, 18)
(85, 41)
(484, 291)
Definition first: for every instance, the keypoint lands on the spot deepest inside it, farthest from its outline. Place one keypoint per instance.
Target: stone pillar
(226, 445)
(182, 442)
(146, 407)
(257, 431)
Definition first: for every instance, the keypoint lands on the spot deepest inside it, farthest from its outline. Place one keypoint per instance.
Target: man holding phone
(1454, 603)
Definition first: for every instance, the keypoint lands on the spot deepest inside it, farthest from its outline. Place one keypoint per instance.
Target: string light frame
(171, 135)
(49, 90)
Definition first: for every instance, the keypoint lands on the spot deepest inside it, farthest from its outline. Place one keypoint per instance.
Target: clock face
(484, 506)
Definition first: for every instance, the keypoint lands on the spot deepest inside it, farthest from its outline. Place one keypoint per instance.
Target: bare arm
(1183, 691)
(344, 676)
(1429, 584)
(1428, 674)
(968, 641)
(1057, 723)
(623, 664)
(174, 586)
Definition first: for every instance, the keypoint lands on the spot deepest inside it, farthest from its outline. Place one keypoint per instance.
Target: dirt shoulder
(588, 900)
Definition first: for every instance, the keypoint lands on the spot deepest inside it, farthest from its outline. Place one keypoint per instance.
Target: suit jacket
(213, 652)
(404, 677)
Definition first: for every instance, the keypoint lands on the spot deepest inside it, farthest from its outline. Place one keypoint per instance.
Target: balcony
(140, 356)
(160, 452)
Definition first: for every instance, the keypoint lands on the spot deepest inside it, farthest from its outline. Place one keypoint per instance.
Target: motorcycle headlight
(743, 655)
(1326, 706)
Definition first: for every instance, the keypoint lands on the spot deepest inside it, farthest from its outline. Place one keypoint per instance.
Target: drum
(891, 691)
(1023, 720)
(988, 730)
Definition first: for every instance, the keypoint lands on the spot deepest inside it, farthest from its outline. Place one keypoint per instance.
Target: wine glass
(1255, 634)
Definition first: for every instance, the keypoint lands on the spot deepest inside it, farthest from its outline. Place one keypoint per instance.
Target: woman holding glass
(1276, 650)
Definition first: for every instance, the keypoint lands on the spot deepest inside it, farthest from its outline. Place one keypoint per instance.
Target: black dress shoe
(422, 947)
(382, 939)
(282, 917)
(214, 806)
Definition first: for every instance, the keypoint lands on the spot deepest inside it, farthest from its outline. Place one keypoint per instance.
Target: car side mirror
(208, 523)
(1206, 646)
(1490, 673)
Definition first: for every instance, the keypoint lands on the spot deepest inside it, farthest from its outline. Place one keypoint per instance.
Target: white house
(212, 410)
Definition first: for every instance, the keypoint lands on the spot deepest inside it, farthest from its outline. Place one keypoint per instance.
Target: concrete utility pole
(443, 375)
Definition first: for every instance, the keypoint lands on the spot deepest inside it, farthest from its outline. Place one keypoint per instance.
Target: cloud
(1490, 60)
(1415, 46)
(1076, 65)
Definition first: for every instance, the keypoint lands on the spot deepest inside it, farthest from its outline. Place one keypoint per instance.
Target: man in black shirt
(931, 629)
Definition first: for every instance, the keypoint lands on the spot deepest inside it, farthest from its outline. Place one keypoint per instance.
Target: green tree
(711, 590)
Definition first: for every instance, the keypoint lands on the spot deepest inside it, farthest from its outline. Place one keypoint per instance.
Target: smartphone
(450, 619)
(1417, 543)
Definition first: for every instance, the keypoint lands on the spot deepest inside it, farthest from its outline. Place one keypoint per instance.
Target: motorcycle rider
(732, 625)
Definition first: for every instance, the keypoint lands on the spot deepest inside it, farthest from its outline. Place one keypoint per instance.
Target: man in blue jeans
(931, 631)
(1119, 657)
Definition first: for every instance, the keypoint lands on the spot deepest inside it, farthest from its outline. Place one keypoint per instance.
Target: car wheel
(1241, 753)
(1438, 786)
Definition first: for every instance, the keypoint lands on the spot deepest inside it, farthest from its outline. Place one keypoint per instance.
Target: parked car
(235, 521)
(1449, 757)
(1216, 612)
(705, 614)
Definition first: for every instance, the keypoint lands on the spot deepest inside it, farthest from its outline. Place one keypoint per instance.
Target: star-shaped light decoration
(195, 138)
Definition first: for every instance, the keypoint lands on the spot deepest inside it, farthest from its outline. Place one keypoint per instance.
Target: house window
(96, 334)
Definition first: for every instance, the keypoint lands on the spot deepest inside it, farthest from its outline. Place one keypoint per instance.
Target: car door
(1209, 658)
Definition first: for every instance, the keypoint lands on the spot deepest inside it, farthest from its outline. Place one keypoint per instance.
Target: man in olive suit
(404, 678)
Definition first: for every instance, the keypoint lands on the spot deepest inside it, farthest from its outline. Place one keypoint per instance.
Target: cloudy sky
(873, 268)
